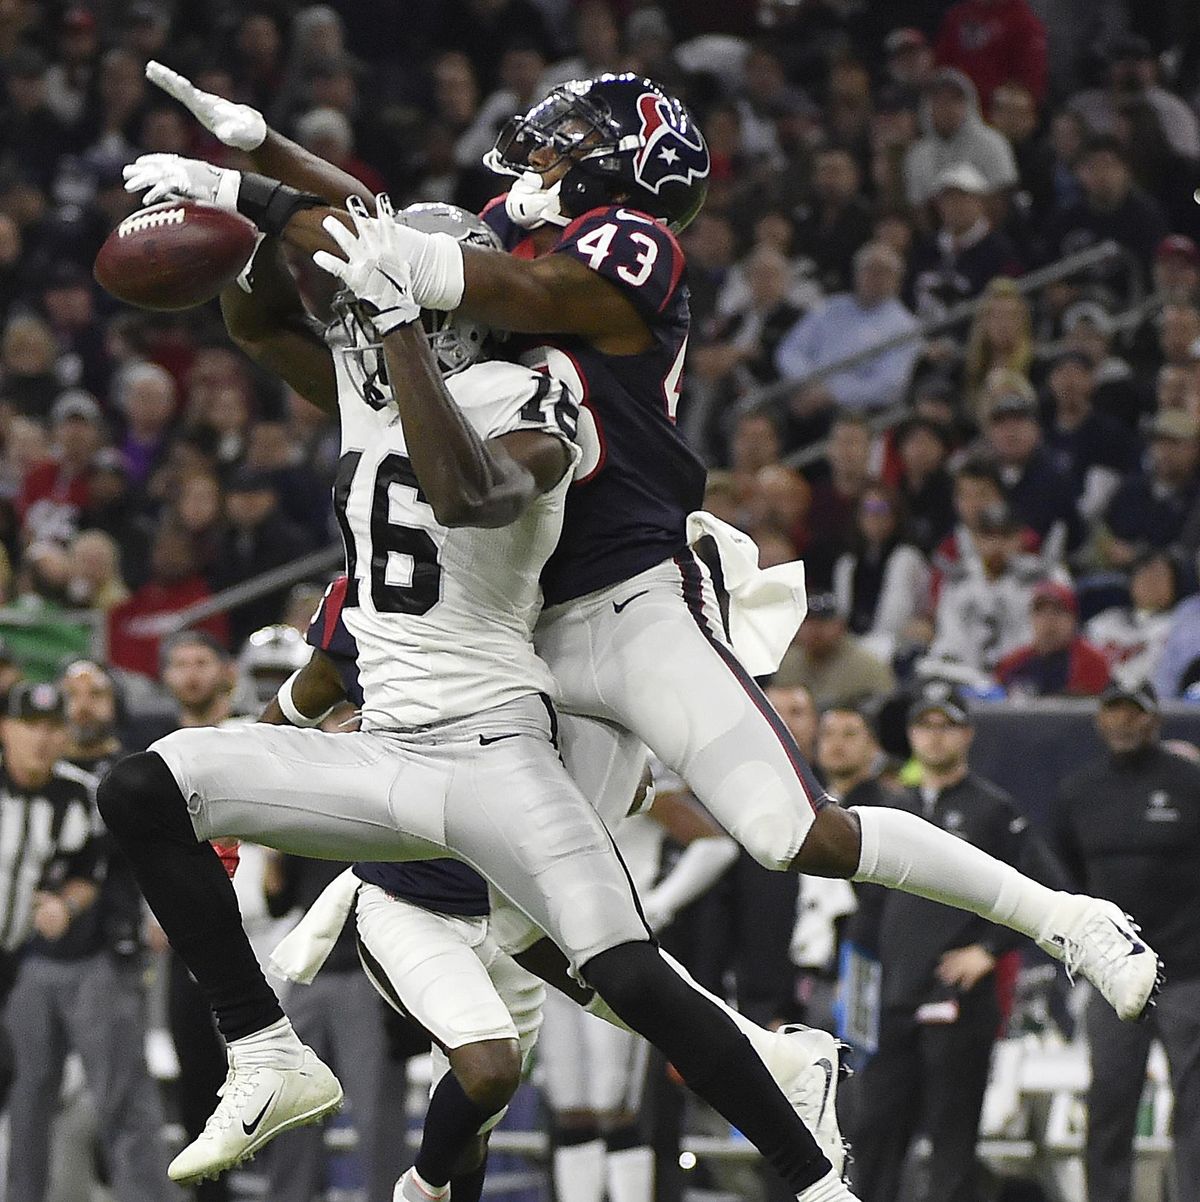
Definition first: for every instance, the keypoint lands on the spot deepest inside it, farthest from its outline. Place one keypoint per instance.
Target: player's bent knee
(773, 840)
(626, 978)
(489, 1072)
(139, 796)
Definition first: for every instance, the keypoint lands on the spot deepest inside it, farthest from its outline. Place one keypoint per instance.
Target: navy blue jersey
(627, 510)
(443, 886)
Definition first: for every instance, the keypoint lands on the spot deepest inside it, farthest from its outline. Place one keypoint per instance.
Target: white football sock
(277, 1044)
(905, 852)
(579, 1172)
(631, 1175)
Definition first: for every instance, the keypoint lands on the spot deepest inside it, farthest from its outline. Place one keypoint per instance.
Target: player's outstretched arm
(309, 694)
(244, 128)
(271, 324)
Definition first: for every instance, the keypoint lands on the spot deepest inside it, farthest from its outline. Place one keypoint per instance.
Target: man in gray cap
(1128, 826)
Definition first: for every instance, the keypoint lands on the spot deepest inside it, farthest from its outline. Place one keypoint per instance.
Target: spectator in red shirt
(174, 584)
(994, 42)
(1059, 661)
(55, 491)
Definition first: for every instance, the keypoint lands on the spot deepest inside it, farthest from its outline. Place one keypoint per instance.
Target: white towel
(766, 605)
(298, 956)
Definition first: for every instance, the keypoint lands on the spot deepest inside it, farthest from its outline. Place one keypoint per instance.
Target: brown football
(174, 255)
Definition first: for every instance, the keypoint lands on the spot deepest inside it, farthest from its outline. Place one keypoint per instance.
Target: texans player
(450, 493)
(606, 171)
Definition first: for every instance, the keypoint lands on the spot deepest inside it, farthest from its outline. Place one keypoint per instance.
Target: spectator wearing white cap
(958, 261)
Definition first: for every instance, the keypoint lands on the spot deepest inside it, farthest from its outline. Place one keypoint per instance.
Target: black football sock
(451, 1122)
(710, 1054)
(468, 1187)
(187, 888)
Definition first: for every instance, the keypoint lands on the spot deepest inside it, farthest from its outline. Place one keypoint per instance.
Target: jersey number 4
(405, 576)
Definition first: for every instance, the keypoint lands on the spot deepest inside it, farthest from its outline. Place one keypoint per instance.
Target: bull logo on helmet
(671, 147)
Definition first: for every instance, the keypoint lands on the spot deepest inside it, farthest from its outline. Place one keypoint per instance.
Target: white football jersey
(443, 617)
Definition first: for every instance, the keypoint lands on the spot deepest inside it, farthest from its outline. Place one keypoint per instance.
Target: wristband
(270, 204)
(290, 711)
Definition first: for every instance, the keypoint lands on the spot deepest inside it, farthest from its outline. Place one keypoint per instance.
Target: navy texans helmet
(625, 137)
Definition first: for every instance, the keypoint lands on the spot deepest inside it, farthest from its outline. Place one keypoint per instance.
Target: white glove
(236, 125)
(370, 269)
(171, 176)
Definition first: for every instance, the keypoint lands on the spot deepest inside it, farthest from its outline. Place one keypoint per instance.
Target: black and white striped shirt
(47, 836)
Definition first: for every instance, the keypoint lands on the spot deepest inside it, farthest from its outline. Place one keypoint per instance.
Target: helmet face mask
(625, 139)
(457, 342)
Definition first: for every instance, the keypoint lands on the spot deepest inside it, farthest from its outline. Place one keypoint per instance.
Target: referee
(48, 861)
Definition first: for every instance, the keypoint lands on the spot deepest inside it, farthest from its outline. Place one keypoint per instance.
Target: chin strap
(529, 205)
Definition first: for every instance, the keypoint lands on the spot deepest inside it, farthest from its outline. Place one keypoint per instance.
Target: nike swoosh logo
(618, 606)
(1135, 947)
(250, 1128)
(484, 741)
(823, 1063)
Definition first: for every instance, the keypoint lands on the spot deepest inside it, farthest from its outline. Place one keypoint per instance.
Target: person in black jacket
(1129, 825)
(940, 1008)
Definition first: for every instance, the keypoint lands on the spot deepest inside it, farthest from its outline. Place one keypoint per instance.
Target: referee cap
(29, 701)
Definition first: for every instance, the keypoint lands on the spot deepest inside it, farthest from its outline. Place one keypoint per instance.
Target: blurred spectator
(302, 496)
(829, 661)
(926, 490)
(845, 325)
(56, 491)
(174, 584)
(1057, 661)
(835, 498)
(832, 227)
(882, 582)
(95, 572)
(994, 42)
(110, 126)
(794, 704)
(521, 67)
(955, 132)
(1176, 281)
(1014, 112)
(69, 77)
(1088, 331)
(481, 29)
(329, 135)
(146, 399)
(1132, 637)
(27, 365)
(1038, 491)
(597, 44)
(113, 507)
(1001, 336)
(957, 261)
(257, 537)
(778, 503)
(940, 1007)
(1149, 509)
(69, 305)
(1127, 827)
(755, 444)
(1092, 449)
(1111, 207)
(909, 62)
(1133, 74)
(982, 613)
(32, 138)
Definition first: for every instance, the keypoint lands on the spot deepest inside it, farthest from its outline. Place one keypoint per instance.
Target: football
(174, 255)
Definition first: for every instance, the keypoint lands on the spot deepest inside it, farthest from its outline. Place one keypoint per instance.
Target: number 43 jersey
(443, 617)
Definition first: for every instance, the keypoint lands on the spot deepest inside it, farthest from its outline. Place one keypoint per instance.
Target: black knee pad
(138, 797)
(624, 977)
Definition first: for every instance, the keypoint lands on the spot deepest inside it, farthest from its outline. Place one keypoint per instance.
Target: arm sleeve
(637, 254)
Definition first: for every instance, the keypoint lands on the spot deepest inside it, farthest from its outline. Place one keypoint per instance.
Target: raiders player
(605, 171)
(450, 504)
(425, 945)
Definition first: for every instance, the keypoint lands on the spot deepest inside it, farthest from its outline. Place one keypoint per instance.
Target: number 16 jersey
(443, 617)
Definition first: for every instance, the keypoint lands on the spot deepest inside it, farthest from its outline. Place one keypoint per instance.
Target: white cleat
(831, 1188)
(806, 1066)
(258, 1102)
(1098, 940)
(413, 1188)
